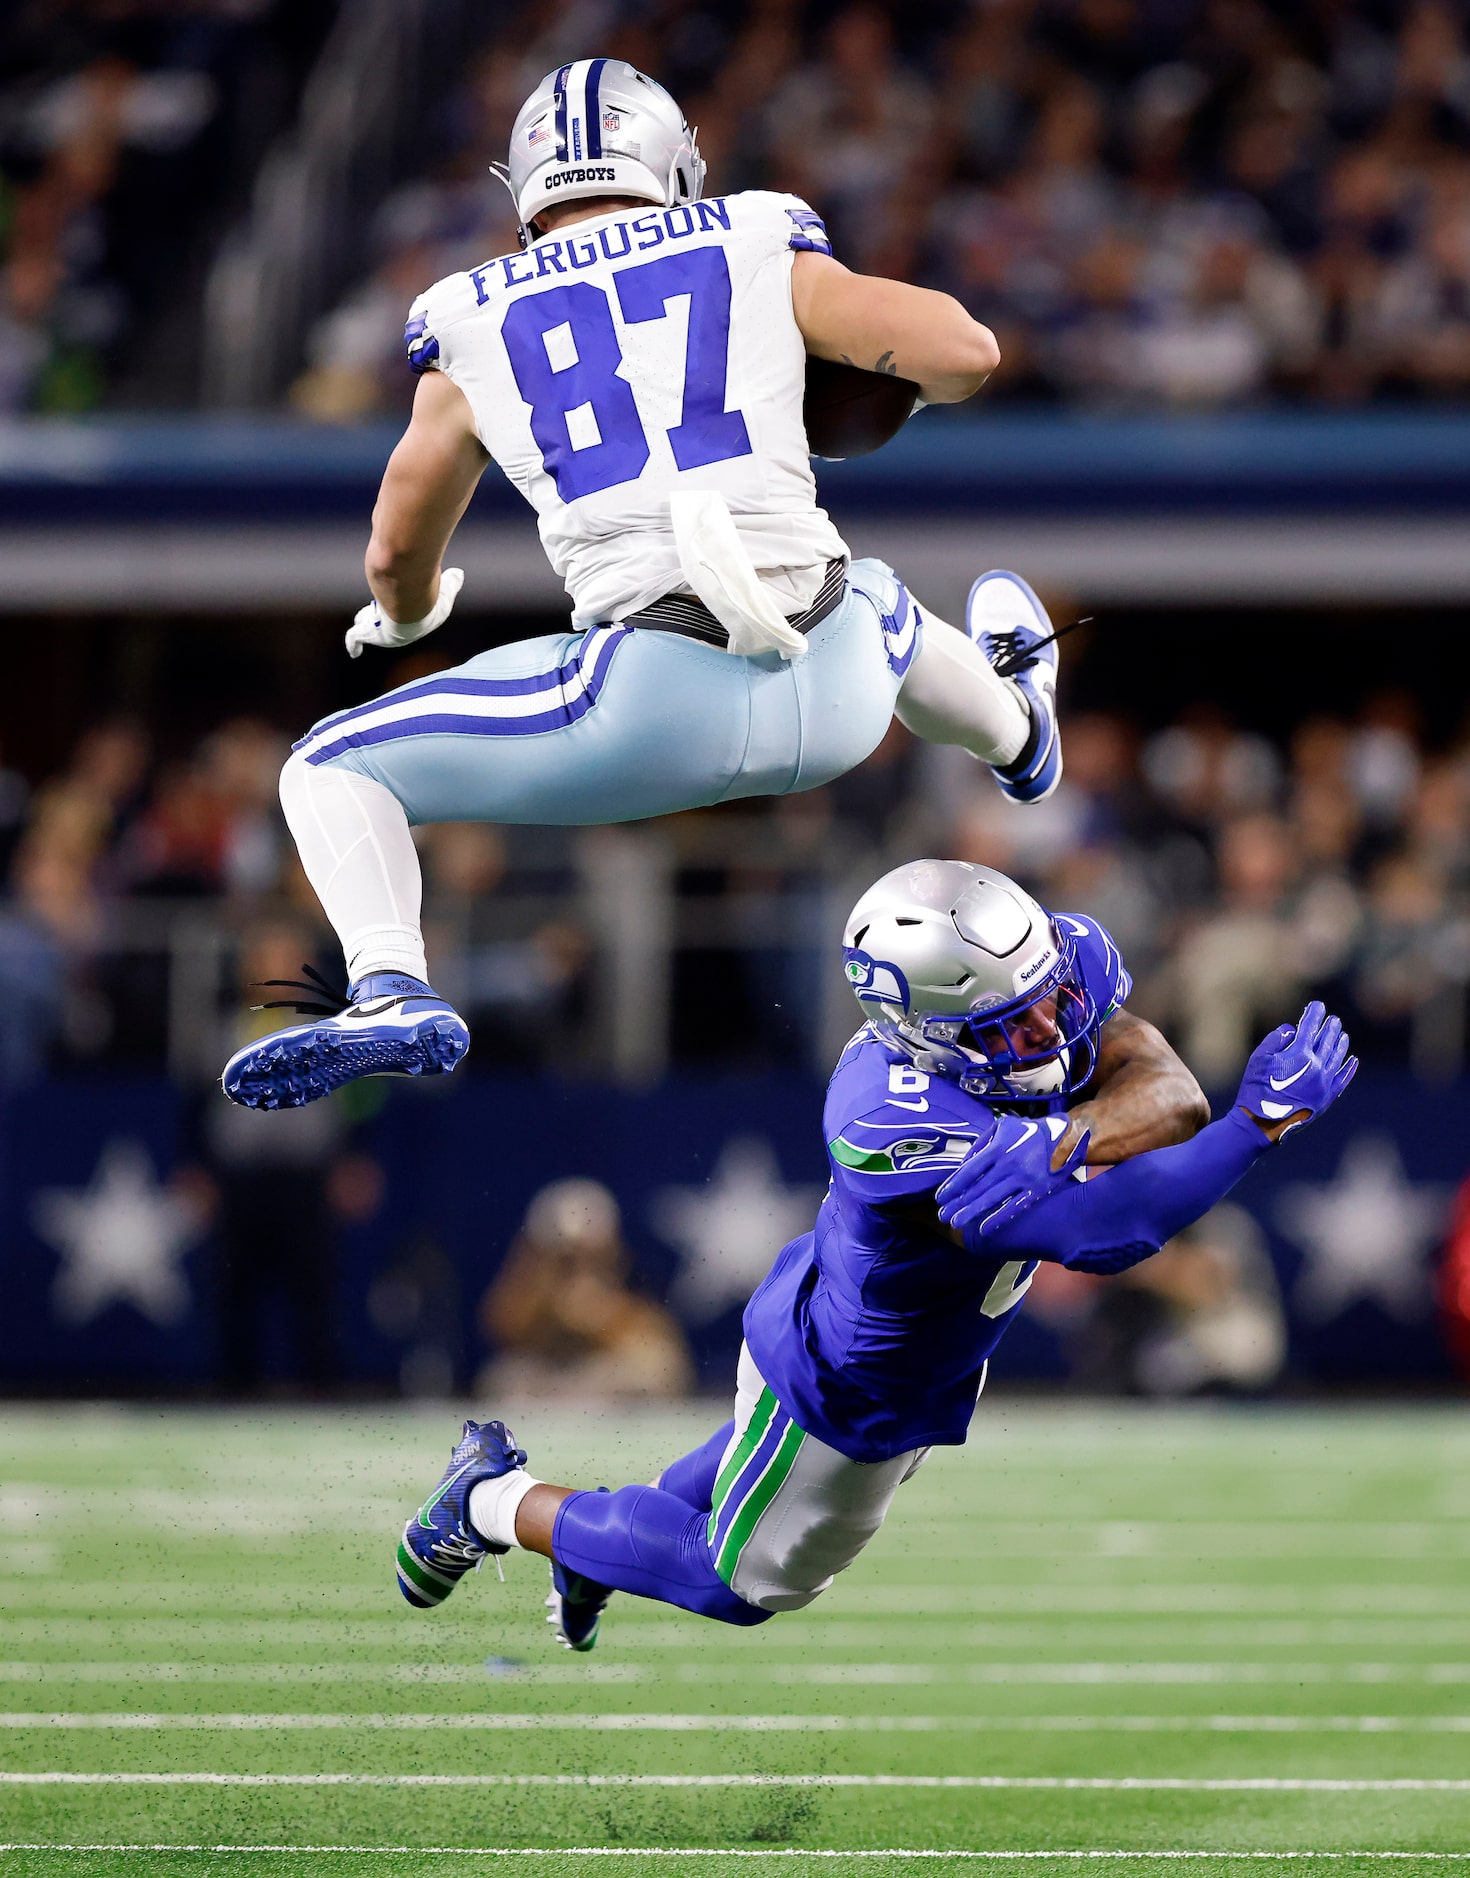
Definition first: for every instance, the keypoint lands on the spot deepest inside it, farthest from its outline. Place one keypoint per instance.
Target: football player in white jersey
(637, 371)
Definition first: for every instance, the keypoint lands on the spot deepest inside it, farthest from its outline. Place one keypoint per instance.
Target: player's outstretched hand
(372, 627)
(1004, 1176)
(1297, 1072)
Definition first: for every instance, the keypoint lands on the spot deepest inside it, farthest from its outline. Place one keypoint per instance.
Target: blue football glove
(1001, 1178)
(1300, 1069)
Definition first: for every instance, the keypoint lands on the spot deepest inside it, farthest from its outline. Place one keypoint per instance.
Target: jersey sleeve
(432, 320)
(785, 222)
(1099, 962)
(422, 344)
(808, 232)
(908, 1144)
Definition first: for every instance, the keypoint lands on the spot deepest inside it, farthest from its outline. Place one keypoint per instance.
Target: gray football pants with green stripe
(789, 1512)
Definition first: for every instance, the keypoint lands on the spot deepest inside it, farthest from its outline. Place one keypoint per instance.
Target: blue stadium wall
(462, 1164)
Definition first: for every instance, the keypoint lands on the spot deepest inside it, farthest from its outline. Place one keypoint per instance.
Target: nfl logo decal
(611, 121)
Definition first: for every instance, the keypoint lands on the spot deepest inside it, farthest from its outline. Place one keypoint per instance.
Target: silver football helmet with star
(973, 980)
(600, 127)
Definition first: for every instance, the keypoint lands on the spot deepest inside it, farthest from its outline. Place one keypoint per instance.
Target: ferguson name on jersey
(643, 351)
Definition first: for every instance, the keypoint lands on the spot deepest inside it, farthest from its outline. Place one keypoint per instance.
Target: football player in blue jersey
(996, 1071)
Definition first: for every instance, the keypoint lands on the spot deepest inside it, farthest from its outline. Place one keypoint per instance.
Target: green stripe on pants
(765, 1407)
(760, 1497)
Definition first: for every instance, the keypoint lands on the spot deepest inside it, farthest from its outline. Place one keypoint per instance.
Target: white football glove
(372, 627)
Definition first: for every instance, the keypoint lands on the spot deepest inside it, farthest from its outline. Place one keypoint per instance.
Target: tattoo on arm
(886, 366)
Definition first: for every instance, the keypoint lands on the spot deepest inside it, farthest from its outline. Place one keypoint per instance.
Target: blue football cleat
(388, 1025)
(576, 1605)
(439, 1545)
(1010, 626)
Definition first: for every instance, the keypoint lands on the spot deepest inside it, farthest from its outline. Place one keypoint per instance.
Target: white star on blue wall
(120, 1238)
(730, 1229)
(1365, 1234)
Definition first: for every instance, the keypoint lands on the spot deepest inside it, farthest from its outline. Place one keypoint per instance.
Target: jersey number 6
(563, 348)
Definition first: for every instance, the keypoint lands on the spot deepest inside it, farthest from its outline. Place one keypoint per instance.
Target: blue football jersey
(874, 1329)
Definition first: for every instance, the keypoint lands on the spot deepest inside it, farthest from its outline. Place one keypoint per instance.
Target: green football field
(1097, 1639)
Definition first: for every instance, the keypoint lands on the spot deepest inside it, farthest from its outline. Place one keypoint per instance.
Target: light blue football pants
(621, 723)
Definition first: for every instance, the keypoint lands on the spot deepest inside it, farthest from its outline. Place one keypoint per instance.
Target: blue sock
(692, 1476)
(651, 1543)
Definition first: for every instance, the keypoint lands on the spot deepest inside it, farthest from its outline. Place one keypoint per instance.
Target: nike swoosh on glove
(1007, 1174)
(1300, 1069)
(372, 627)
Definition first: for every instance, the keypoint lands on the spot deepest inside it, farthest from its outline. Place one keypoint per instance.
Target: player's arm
(1141, 1097)
(888, 326)
(1127, 1213)
(426, 488)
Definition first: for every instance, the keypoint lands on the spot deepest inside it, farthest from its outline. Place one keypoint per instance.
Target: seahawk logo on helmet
(972, 978)
(600, 127)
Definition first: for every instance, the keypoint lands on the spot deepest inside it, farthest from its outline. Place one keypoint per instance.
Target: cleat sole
(288, 1077)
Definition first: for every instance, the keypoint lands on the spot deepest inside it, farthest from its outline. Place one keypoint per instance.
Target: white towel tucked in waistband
(713, 559)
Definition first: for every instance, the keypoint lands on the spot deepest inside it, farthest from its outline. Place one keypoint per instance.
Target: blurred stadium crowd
(1177, 202)
(1237, 876)
(1156, 204)
(129, 133)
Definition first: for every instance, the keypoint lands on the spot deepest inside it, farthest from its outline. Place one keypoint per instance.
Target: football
(850, 412)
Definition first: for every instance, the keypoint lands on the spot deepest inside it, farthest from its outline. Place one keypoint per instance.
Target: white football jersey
(631, 355)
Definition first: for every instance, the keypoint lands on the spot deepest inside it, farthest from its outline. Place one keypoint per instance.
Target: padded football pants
(759, 1519)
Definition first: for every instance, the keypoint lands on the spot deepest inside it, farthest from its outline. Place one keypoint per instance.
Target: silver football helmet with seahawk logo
(973, 980)
(600, 127)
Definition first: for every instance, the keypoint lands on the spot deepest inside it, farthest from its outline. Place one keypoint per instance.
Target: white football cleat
(1010, 626)
(390, 1025)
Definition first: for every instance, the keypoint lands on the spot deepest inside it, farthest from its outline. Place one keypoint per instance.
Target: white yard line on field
(684, 1852)
(805, 1630)
(800, 1674)
(986, 1782)
(1152, 1598)
(511, 1721)
(479, 1673)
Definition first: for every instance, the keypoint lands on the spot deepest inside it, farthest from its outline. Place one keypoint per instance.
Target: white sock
(952, 694)
(494, 1503)
(354, 842)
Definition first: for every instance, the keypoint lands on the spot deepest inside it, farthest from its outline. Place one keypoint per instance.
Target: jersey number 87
(588, 382)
